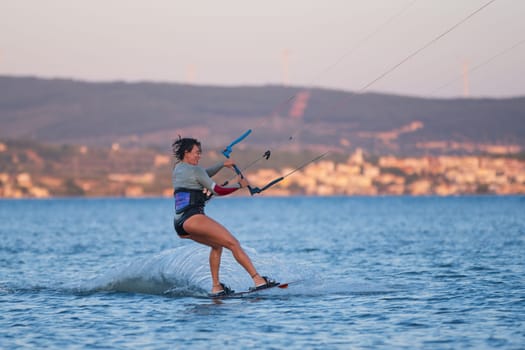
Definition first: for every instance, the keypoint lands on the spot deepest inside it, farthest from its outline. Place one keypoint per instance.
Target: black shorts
(178, 223)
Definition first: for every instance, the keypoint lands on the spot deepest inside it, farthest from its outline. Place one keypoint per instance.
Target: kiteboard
(251, 291)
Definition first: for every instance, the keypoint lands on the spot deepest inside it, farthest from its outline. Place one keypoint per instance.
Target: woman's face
(192, 157)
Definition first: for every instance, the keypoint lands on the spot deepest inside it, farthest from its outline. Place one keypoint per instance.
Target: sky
(335, 44)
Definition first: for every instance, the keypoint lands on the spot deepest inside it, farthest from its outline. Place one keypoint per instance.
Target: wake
(184, 271)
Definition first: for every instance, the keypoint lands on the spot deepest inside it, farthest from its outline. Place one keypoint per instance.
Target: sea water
(369, 273)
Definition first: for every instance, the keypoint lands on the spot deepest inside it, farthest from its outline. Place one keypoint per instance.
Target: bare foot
(258, 280)
(217, 288)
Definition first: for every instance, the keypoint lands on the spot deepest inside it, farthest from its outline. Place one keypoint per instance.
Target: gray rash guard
(194, 177)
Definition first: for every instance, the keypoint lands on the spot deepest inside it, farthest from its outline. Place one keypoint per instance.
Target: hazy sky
(341, 44)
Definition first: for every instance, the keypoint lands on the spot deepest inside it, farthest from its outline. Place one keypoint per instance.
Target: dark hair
(183, 145)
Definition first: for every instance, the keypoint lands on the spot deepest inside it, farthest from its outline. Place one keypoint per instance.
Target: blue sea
(367, 273)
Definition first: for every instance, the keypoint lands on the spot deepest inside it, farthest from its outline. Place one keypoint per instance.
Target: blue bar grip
(228, 150)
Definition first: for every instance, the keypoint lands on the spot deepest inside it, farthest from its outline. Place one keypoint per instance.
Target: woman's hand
(243, 182)
(229, 163)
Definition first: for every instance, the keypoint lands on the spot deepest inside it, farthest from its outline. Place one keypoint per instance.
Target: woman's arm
(206, 181)
(214, 169)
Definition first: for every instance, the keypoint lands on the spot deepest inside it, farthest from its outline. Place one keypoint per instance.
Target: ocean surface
(368, 273)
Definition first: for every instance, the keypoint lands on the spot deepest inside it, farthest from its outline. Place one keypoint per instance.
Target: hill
(152, 114)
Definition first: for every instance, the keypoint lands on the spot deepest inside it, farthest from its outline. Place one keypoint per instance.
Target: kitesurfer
(193, 186)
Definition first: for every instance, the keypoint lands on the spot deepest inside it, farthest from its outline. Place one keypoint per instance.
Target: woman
(191, 185)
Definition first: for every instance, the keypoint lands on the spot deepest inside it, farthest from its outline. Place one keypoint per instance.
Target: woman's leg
(205, 230)
(215, 263)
